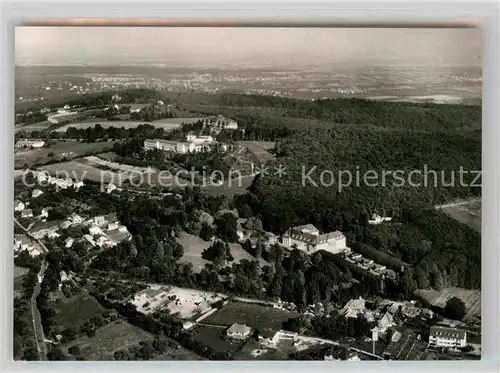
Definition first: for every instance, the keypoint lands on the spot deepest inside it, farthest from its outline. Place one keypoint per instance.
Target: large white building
(220, 122)
(26, 143)
(307, 238)
(447, 337)
(192, 145)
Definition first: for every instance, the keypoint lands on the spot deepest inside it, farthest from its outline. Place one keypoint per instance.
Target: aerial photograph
(224, 193)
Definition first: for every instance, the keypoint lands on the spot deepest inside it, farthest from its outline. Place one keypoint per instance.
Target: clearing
(82, 169)
(109, 339)
(167, 124)
(253, 315)
(194, 246)
(260, 150)
(468, 213)
(61, 151)
(188, 303)
(75, 311)
(471, 298)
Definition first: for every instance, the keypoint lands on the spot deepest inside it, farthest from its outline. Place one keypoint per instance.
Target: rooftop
(443, 332)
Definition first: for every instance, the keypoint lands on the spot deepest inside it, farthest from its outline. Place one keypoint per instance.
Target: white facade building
(447, 337)
(307, 238)
(19, 205)
(238, 331)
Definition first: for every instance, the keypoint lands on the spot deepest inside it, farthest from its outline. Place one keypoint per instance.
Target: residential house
(377, 219)
(112, 226)
(68, 242)
(385, 322)
(354, 308)
(238, 331)
(53, 235)
(19, 205)
(307, 238)
(440, 336)
(44, 214)
(95, 231)
(30, 143)
(36, 193)
(269, 337)
(23, 243)
(27, 213)
(76, 219)
(99, 220)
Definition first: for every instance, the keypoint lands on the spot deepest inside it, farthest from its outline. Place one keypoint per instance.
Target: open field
(471, 298)
(166, 124)
(40, 126)
(253, 315)
(188, 303)
(108, 339)
(467, 213)
(259, 150)
(194, 246)
(83, 169)
(215, 337)
(74, 312)
(62, 150)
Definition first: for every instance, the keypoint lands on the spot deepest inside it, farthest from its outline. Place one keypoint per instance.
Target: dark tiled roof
(442, 332)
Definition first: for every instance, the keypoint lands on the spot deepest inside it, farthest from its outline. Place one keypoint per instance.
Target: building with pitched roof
(238, 331)
(307, 238)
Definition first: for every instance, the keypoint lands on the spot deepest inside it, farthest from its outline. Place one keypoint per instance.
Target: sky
(248, 47)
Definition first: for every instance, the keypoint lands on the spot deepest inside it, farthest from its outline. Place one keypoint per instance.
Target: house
(385, 322)
(377, 219)
(440, 336)
(99, 220)
(18, 205)
(44, 213)
(53, 235)
(354, 307)
(23, 243)
(63, 276)
(65, 224)
(90, 240)
(30, 143)
(307, 238)
(76, 219)
(112, 226)
(269, 337)
(95, 230)
(36, 193)
(69, 242)
(238, 331)
(27, 213)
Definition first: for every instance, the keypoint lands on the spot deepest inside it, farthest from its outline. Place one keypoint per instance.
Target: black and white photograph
(247, 193)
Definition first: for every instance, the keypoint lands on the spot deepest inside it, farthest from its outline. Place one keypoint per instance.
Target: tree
(74, 350)
(455, 309)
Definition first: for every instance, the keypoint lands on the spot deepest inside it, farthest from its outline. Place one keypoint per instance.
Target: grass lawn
(56, 152)
(194, 246)
(468, 214)
(259, 149)
(179, 353)
(74, 312)
(214, 337)
(471, 298)
(253, 315)
(108, 339)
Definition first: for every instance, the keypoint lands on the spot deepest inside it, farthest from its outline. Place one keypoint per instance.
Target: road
(35, 314)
